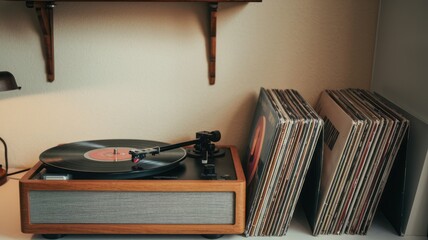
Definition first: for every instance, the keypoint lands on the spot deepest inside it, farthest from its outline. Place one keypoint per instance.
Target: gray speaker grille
(132, 207)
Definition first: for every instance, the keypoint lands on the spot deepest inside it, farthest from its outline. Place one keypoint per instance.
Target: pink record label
(110, 154)
(256, 148)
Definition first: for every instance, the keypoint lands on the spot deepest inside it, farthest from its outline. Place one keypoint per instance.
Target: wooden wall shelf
(44, 10)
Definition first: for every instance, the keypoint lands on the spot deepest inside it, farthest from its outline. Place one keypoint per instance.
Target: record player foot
(53, 236)
(212, 236)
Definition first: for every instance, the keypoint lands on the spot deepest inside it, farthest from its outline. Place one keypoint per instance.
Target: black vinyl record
(99, 158)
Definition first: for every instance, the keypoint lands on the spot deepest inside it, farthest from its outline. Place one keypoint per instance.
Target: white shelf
(299, 228)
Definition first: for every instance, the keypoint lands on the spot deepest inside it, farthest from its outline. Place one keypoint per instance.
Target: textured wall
(139, 70)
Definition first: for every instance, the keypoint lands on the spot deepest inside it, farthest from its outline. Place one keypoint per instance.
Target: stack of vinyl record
(362, 137)
(285, 132)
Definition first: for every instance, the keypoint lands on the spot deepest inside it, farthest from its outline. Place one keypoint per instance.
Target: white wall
(401, 72)
(139, 70)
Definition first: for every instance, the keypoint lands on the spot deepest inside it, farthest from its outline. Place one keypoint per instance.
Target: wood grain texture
(28, 184)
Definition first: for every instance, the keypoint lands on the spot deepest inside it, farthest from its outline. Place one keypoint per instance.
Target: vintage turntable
(135, 187)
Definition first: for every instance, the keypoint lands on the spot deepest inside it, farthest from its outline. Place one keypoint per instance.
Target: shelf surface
(299, 229)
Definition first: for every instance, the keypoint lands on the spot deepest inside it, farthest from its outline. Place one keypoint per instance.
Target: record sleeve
(398, 188)
(358, 169)
(349, 160)
(339, 127)
(366, 157)
(265, 112)
(301, 158)
(289, 152)
(390, 155)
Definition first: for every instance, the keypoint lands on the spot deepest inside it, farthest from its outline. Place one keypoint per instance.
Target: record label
(111, 154)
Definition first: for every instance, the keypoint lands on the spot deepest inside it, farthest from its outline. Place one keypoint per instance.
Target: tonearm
(202, 144)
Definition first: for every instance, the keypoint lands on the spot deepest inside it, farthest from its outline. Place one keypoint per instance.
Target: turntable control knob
(209, 171)
(226, 177)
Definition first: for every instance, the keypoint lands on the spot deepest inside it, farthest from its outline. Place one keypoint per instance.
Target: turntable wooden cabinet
(176, 202)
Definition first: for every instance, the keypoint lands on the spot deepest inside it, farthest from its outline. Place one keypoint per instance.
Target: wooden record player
(195, 197)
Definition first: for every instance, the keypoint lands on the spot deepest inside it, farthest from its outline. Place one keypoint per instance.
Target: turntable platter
(110, 157)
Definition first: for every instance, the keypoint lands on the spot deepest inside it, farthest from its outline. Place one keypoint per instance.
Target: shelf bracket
(212, 8)
(44, 12)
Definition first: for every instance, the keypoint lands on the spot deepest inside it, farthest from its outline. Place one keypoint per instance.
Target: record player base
(205, 207)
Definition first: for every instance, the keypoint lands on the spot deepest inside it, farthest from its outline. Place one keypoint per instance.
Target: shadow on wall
(145, 25)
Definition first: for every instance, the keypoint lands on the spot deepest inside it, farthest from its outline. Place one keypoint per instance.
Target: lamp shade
(7, 82)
